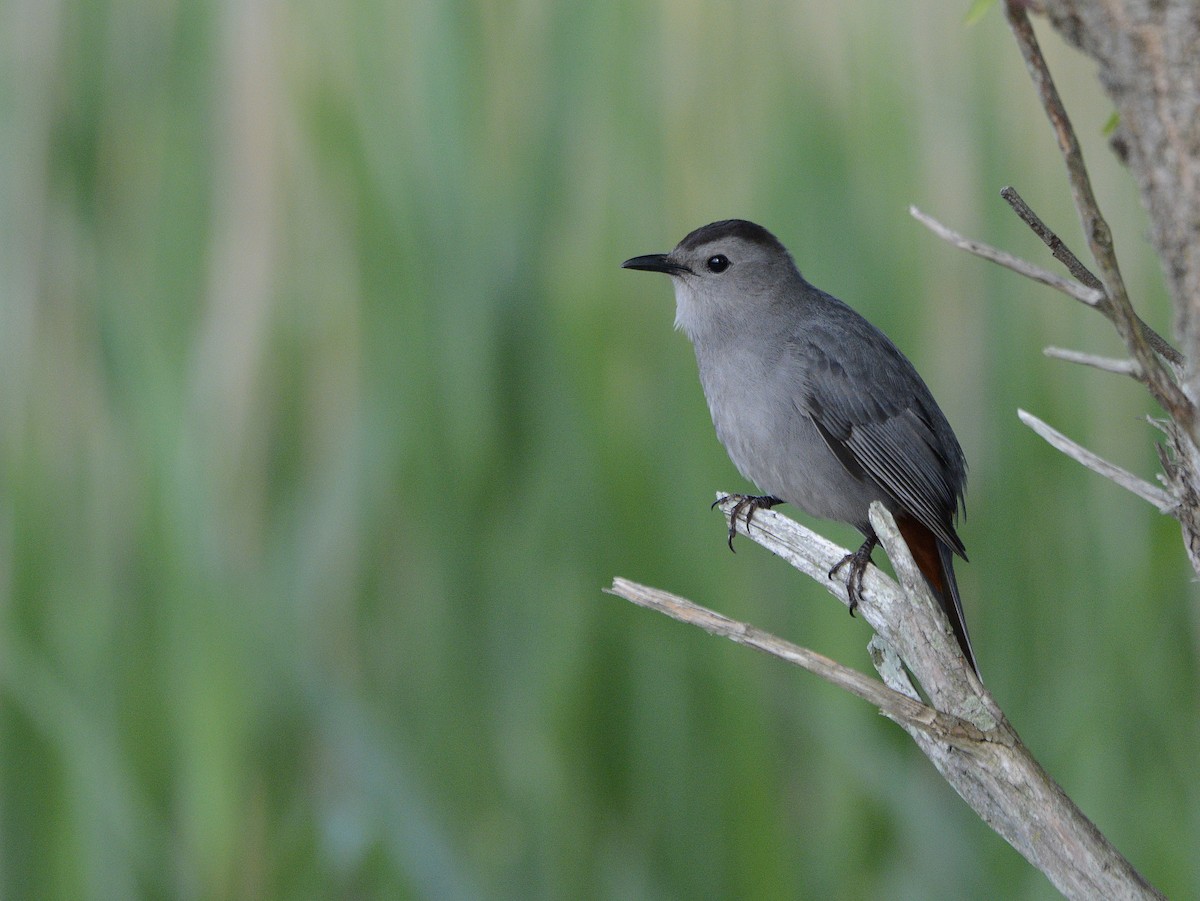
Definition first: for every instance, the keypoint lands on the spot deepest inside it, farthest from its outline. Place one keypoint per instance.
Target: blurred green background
(326, 413)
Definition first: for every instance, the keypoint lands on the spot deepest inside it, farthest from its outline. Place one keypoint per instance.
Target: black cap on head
(731, 228)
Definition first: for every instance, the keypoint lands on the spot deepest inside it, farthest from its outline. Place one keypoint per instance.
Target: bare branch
(1127, 480)
(1145, 52)
(893, 704)
(923, 639)
(1066, 256)
(962, 731)
(1058, 247)
(916, 629)
(1095, 228)
(1082, 293)
(1099, 237)
(1107, 364)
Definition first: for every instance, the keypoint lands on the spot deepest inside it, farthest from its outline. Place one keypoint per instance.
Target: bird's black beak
(656, 262)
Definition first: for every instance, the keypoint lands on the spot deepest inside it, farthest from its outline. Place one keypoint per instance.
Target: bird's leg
(745, 506)
(858, 566)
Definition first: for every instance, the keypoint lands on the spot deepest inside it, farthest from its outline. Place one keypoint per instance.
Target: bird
(815, 405)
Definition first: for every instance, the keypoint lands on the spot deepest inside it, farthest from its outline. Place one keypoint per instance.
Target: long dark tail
(936, 562)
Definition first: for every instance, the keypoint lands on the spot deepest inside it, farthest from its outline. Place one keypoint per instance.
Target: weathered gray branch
(1147, 52)
(962, 729)
(1087, 290)
(1103, 303)
(1082, 293)
(1104, 364)
(1123, 477)
(1095, 228)
(901, 707)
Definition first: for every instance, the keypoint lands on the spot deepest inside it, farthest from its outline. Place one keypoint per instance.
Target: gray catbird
(815, 405)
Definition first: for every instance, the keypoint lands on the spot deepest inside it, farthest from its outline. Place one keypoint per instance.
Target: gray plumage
(815, 405)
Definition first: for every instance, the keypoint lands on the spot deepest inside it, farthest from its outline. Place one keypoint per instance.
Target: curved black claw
(746, 506)
(858, 566)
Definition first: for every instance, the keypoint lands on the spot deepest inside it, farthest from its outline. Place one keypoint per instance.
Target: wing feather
(880, 420)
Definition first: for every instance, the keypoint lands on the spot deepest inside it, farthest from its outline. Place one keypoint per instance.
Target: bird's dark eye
(719, 263)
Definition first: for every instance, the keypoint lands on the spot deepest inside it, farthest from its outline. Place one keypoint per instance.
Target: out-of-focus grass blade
(977, 11)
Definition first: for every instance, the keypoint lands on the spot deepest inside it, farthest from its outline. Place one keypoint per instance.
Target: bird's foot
(745, 506)
(858, 566)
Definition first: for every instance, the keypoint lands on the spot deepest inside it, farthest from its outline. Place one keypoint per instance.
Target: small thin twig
(1082, 293)
(1057, 246)
(1123, 477)
(1066, 256)
(1107, 364)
